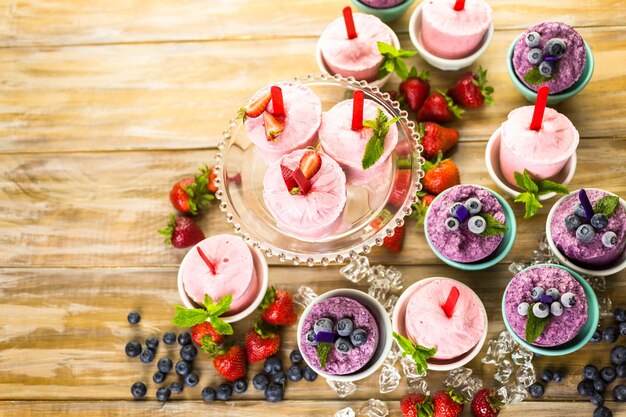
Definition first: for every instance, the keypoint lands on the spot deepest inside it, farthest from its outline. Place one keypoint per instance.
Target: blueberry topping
(164, 365)
(558, 377)
(541, 310)
(240, 386)
(573, 222)
(546, 68)
(547, 375)
(272, 365)
(295, 356)
(522, 309)
(169, 338)
(224, 392)
(138, 389)
(473, 205)
(618, 355)
(260, 382)
(323, 325)
(596, 399)
(208, 394)
(184, 338)
(183, 368)
(537, 292)
(553, 293)
(536, 390)
(609, 239)
(608, 374)
(133, 349)
(274, 393)
(599, 221)
(188, 352)
(294, 373)
(309, 374)
(596, 337)
(152, 343)
(585, 387)
(133, 317)
(158, 377)
(535, 56)
(163, 394)
(146, 356)
(609, 335)
(452, 224)
(453, 207)
(280, 377)
(310, 338)
(556, 309)
(176, 387)
(568, 300)
(358, 337)
(555, 47)
(580, 211)
(477, 225)
(345, 327)
(532, 39)
(343, 345)
(192, 380)
(591, 372)
(620, 315)
(619, 393)
(602, 412)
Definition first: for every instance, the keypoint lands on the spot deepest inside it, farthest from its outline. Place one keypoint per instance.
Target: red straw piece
(540, 107)
(459, 5)
(357, 110)
(206, 260)
(277, 101)
(453, 297)
(347, 18)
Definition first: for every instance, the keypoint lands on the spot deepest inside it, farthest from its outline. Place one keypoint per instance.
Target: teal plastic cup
(583, 336)
(531, 95)
(388, 14)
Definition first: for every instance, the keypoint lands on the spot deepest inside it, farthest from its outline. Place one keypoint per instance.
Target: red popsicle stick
(347, 18)
(206, 260)
(453, 297)
(357, 110)
(459, 5)
(277, 101)
(540, 107)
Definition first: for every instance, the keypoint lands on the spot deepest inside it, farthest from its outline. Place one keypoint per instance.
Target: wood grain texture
(103, 209)
(121, 21)
(180, 96)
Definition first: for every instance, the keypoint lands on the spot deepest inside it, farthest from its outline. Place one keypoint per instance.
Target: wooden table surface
(103, 105)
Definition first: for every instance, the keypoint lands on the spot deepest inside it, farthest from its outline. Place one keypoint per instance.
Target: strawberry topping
(273, 126)
(290, 182)
(258, 106)
(310, 164)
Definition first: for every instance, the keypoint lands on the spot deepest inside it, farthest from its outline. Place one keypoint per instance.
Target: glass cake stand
(372, 211)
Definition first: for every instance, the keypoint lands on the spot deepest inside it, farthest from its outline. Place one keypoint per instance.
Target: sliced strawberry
(258, 106)
(303, 183)
(273, 126)
(310, 164)
(290, 182)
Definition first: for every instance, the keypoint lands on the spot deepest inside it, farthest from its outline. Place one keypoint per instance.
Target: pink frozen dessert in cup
(305, 192)
(281, 118)
(454, 29)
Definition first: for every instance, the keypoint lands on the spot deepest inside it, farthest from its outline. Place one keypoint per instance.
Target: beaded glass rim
(353, 251)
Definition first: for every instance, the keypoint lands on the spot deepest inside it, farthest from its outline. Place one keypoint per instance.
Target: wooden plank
(54, 22)
(103, 209)
(64, 331)
(181, 95)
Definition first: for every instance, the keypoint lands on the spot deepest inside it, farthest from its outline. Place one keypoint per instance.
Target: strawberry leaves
(480, 81)
(393, 60)
(376, 145)
(456, 110)
(420, 354)
(532, 190)
(188, 317)
(534, 325)
(494, 226)
(606, 205)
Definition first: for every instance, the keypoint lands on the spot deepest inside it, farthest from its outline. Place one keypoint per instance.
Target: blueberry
(138, 389)
(609, 239)
(620, 315)
(556, 309)
(176, 387)
(580, 211)
(343, 345)
(476, 225)
(599, 385)
(599, 221)
(622, 328)
(208, 394)
(452, 224)
(547, 375)
(532, 39)
(280, 377)
(146, 356)
(358, 337)
(618, 355)
(323, 325)
(133, 317)
(619, 393)
(272, 365)
(558, 377)
(452, 209)
(597, 337)
(184, 338)
(344, 327)
(132, 349)
(536, 293)
(158, 377)
(240, 386)
(163, 394)
(621, 371)
(546, 68)
(568, 300)
(191, 380)
(535, 56)
(596, 399)
(553, 293)
(294, 373)
(608, 374)
(609, 334)
(183, 368)
(573, 222)
(274, 393)
(152, 343)
(585, 387)
(473, 205)
(169, 338)
(591, 372)
(164, 365)
(541, 310)
(556, 47)
(522, 309)
(188, 352)
(536, 390)
(295, 357)
(260, 382)
(585, 233)
(310, 338)
(224, 392)
(309, 374)
(602, 412)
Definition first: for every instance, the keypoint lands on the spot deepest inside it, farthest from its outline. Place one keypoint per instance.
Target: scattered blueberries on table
(608, 374)
(536, 390)
(309, 374)
(133, 317)
(224, 392)
(158, 377)
(558, 377)
(163, 394)
(591, 372)
(176, 387)
(294, 373)
(133, 349)
(272, 365)
(152, 343)
(585, 387)
(184, 338)
(192, 380)
(183, 368)
(602, 412)
(621, 371)
(622, 328)
(280, 377)
(164, 365)
(610, 334)
(620, 315)
(240, 386)
(295, 357)
(274, 393)
(597, 337)
(596, 399)
(146, 356)
(169, 338)
(619, 393)
(618, 355)
(547, 375)
(599, 385)
(260, 382)
(138, 389)
(208, 394)
(188, 352)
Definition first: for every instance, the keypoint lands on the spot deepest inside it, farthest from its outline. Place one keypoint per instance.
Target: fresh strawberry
(438, 108)
(231, 363)
(277, 308)
(256, 107)
(436, 138)
(182, 232)
(310, 164)
(400, 189)
(416, 405)
(440, 175)
(448, 404)
(415, 89)
(192, 194)
(395, 242)
(273, 126)
(261, 342)
(487, 403)
(204, 333)
(211, 184)
(421, 207)
(427, 199)
(180, 198)
(394, 95)
(471, 90)
(290, 182)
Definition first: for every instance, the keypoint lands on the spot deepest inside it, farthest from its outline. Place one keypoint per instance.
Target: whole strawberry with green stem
(230, 362)
(436, 138)
(420, 208)
(448, 404)
(277, 308)
(182, 232)
(487, 403)
(415, 88)
(396, 242)
(438, 108)
(192, 194)
(440, 175)
(261, 341)
(471, 90)
(416, 405)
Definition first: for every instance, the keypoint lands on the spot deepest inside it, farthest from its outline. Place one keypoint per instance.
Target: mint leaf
(385, 48)
(547, 186)
(393, 60)
(606, 205)
(188, 317)
(221, 326)
(223, 305)
(494, 227)
(533, 190)
(322, 352)
(534, 77)
(531, 203)
(525, 182)
(419, 354)
(401, 69)
(376, 145)
(534, 325)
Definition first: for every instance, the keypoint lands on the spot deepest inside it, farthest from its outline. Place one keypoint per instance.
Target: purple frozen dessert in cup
(382, 4)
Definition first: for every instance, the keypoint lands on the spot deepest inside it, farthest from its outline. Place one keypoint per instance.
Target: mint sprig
(534, 325)
(376, 145)
(494, 226)
(419, 354)
(188, 317)
(606, 205)
(323, 348)
(533, 189)
(534, 77)
(393, 60)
